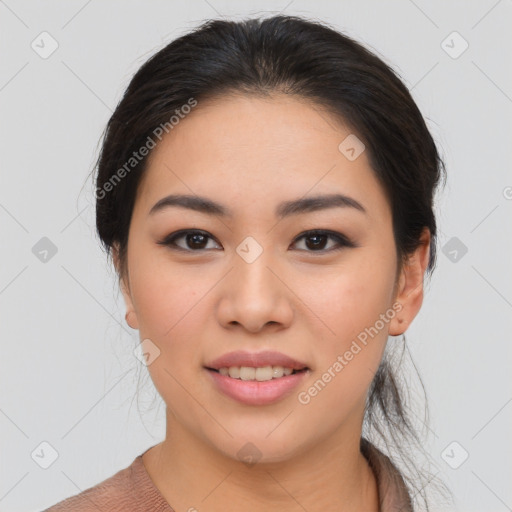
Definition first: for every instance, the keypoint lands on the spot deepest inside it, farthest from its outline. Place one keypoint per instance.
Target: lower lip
(252, 392)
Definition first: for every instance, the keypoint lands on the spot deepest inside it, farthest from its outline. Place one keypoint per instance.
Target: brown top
(132, 490)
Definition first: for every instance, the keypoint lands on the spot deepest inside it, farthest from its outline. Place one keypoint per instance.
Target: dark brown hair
(311, 61)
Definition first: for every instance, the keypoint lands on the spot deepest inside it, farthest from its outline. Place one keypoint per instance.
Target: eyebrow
(284, 209)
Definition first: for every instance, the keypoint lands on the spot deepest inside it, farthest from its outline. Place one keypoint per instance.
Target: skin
(250, 154)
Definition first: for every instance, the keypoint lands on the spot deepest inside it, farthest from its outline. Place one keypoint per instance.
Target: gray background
(68, 372)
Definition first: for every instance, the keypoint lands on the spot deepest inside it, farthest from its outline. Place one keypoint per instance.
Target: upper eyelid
(342, 239)
(181, 233)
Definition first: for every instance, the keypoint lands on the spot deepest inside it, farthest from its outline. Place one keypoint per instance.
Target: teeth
(260, 374)
(234, 372)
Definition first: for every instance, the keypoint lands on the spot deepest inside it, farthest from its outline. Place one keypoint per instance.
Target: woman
(265, 189)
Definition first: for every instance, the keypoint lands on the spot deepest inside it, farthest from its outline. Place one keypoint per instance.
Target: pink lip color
(254, 392)
(255, 359)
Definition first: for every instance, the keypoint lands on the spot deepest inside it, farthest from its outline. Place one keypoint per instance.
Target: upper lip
(255, 360)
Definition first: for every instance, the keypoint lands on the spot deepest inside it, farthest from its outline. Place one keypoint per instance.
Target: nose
(255, 296)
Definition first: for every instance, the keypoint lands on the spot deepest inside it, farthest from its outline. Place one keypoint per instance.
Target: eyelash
(342, 241)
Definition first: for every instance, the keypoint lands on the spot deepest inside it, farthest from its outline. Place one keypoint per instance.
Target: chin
(260, 449)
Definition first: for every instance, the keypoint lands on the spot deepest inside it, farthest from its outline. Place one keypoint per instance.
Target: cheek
(354, 305)
(347, 360)
(165, 295)
(349, 301)
(171, 314)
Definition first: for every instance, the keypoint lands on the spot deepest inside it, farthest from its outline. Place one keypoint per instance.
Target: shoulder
(130, 489)
(110, 494)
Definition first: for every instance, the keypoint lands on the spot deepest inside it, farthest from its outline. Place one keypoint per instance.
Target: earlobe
(131, 319)
(410, 288)
(131, 315)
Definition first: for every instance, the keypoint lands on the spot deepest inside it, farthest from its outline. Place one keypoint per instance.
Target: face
(314, 284)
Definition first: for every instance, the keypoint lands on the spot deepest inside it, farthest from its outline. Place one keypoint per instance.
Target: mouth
(259, 374)
(265, 363)
(252, 391)
(256, 378)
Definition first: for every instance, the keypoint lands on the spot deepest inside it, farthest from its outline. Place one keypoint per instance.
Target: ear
(410, 287)
(131, 315)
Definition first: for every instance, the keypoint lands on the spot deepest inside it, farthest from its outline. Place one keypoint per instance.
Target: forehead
(256, 149)
(278, 123)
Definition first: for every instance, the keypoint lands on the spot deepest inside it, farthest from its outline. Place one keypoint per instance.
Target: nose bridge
(254, 296)
(251, 262)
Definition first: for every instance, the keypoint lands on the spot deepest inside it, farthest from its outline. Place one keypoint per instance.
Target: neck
(332, 475)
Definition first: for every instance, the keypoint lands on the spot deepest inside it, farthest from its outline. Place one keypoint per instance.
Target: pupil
(317, 243)
(195, 237)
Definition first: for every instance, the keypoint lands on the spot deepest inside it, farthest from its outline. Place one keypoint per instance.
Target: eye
(194, 240)
(317, 240)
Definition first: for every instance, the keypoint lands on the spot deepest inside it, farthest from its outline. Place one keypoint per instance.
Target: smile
(257, 386)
